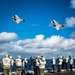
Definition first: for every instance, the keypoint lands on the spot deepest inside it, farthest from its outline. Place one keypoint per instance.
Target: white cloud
(39, 45)
(6, 37)
(72, 35)
(3, 53)
(39, 37)
(72, 3)
(70, 21)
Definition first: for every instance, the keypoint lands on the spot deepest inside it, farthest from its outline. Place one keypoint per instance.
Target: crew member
(6, 64)
(18, 62)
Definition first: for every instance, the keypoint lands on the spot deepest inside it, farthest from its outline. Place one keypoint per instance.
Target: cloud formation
(72, 3)
(3, 53)
(70, 21)
(39, 45)
(6, 37)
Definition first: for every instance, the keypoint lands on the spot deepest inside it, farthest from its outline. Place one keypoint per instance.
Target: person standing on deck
(31, 62)
(37, 65)
(12, 63)
(25, 64)
(67, 59)
(71, 63)
(42, 63)
(6, 64)
(18, 62)
(53, 63)
(63, 62)
(60, 64)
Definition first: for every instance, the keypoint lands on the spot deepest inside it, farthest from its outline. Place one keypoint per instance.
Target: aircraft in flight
(17, 19)
(56, 25)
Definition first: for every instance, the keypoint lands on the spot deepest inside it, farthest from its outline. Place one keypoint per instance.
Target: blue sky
(36, 36)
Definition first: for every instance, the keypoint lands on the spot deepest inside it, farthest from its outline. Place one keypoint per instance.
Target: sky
(36, 36)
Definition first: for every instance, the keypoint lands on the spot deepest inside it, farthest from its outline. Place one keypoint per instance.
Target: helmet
(6, 55)
(43, 59)
(18, 56)
(38, 56)
(25, 58)
(10, 57)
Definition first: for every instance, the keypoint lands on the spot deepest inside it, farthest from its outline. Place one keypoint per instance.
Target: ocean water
(47, 66)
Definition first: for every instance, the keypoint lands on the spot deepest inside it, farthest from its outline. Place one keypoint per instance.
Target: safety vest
(53, 61)
(42, 64)
(60, 61)
(71, 61)
(18, 62)
(37, 63)
(6, 63)
(12, 62)
(25, 63)
(67, 60)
